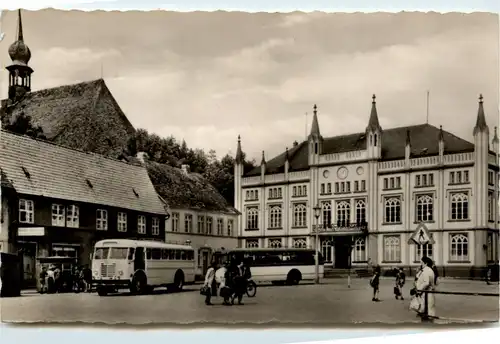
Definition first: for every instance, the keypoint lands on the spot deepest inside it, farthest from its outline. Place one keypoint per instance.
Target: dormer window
(375, 140)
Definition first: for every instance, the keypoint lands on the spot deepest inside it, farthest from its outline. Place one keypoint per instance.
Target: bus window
(118, 253)
(177, 254)
(156, 253)
(101, 253)
(171, 254)
(183, 255)
(164, 254)
(148, 253)
(190, 255)
(131, 252)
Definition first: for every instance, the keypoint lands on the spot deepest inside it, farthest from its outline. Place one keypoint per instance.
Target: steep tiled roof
(84, 116)
(188, 191)
(41, 168)
(424, 142)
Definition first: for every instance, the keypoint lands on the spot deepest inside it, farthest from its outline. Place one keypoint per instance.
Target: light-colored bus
(289, 265)
(141, 265)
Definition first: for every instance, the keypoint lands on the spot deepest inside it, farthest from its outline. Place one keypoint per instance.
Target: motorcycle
(251, 288)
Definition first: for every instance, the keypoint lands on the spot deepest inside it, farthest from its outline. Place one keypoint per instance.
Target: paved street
(328, 303)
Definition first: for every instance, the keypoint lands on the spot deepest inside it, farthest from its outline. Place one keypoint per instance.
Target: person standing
(240, 283)
(210, 283)
(426, 282)
(400, 282)
(374, 283)
(43, 278)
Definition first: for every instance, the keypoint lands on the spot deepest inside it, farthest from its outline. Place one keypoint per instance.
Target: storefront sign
(31, 231)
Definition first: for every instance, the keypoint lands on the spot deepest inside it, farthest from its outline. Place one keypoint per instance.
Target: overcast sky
(207, 77)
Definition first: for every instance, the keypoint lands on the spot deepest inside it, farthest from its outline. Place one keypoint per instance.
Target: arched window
(343, 214)
(275, 217)
(459, 247)
(299, 215)
(252, 218)
(299, 243)
(392, 210)
(360, 212)
(392, 248)
(274, 243)
(316, 148)
(326, 214)
(424, 208)
(326, 251)
(359, 250)
(459, 206)
(252, 243)
(375, 140)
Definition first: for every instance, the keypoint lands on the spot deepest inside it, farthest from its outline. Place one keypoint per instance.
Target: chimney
(295, 143)
(142, 156)
(185, 169)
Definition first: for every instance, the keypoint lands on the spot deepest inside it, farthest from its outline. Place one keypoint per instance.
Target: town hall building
(372, 191)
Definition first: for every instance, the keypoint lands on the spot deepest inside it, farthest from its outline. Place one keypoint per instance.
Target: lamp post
(317, 213)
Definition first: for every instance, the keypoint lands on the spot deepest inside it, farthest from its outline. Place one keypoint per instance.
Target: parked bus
(289, 265)
(141, 265)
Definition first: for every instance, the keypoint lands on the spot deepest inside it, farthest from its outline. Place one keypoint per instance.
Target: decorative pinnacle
(481, 98)
(315, 108)
(373, 98)
(239, 138)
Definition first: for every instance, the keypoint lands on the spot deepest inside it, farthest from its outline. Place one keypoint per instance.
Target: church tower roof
(315, 124)
(481, 118)
(19, 52)
(373, 123)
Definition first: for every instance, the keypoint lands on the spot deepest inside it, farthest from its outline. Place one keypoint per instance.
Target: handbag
(204, 290)
(396, 291)
(416, 304)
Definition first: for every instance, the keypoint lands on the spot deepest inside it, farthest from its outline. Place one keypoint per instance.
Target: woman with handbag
(210, 285)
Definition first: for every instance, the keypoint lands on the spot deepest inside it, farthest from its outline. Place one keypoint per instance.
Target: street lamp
(317, 213)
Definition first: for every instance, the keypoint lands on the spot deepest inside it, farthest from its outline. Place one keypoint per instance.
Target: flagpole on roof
(306, 125)
(427, 113)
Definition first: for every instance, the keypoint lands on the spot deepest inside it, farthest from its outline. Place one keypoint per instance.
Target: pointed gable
(373, 123)
(84, 116)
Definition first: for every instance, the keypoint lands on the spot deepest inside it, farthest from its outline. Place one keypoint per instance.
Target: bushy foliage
(220, 173)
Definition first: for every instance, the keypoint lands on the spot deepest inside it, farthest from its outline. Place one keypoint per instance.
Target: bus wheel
(294, 277)
(139, 285)
(102, 291)
(179, 281)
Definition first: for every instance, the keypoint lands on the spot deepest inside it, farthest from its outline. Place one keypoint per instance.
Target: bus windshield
(101, 253)
(118, 253)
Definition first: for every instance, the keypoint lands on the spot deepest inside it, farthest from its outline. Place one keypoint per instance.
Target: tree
(22, 124)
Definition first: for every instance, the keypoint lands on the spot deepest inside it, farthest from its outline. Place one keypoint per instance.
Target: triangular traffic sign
(421, 236)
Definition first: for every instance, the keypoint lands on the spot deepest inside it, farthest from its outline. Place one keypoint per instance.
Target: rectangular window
(452, 177)
(466, 176)
(491, 178)
(393, 186)
(348, 186)
(459, 247)
(304, 189)
(356, 186)
(141, 224)
(489, 247)
(337, 187)
(459, 177)
(329, 189)
(294, 191)
(398, 182)
(342, 187)
(201, 224)
(229, 227)
(188, 223)
(431, 179)
(386, 183)
(26, 211)
(491, 207)
(58, 215)
(363, 185)
(392, 248)
(322, 188)
(175, 222)
(209, 225)
(101, 220)
(72, 216)
(122, 222)
(155, 226)
(220, 226)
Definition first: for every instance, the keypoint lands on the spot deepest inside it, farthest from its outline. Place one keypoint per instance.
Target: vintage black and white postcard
(249, 168)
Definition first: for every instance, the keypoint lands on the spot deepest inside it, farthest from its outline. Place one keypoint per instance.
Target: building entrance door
(342, 253)
(27, 252)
